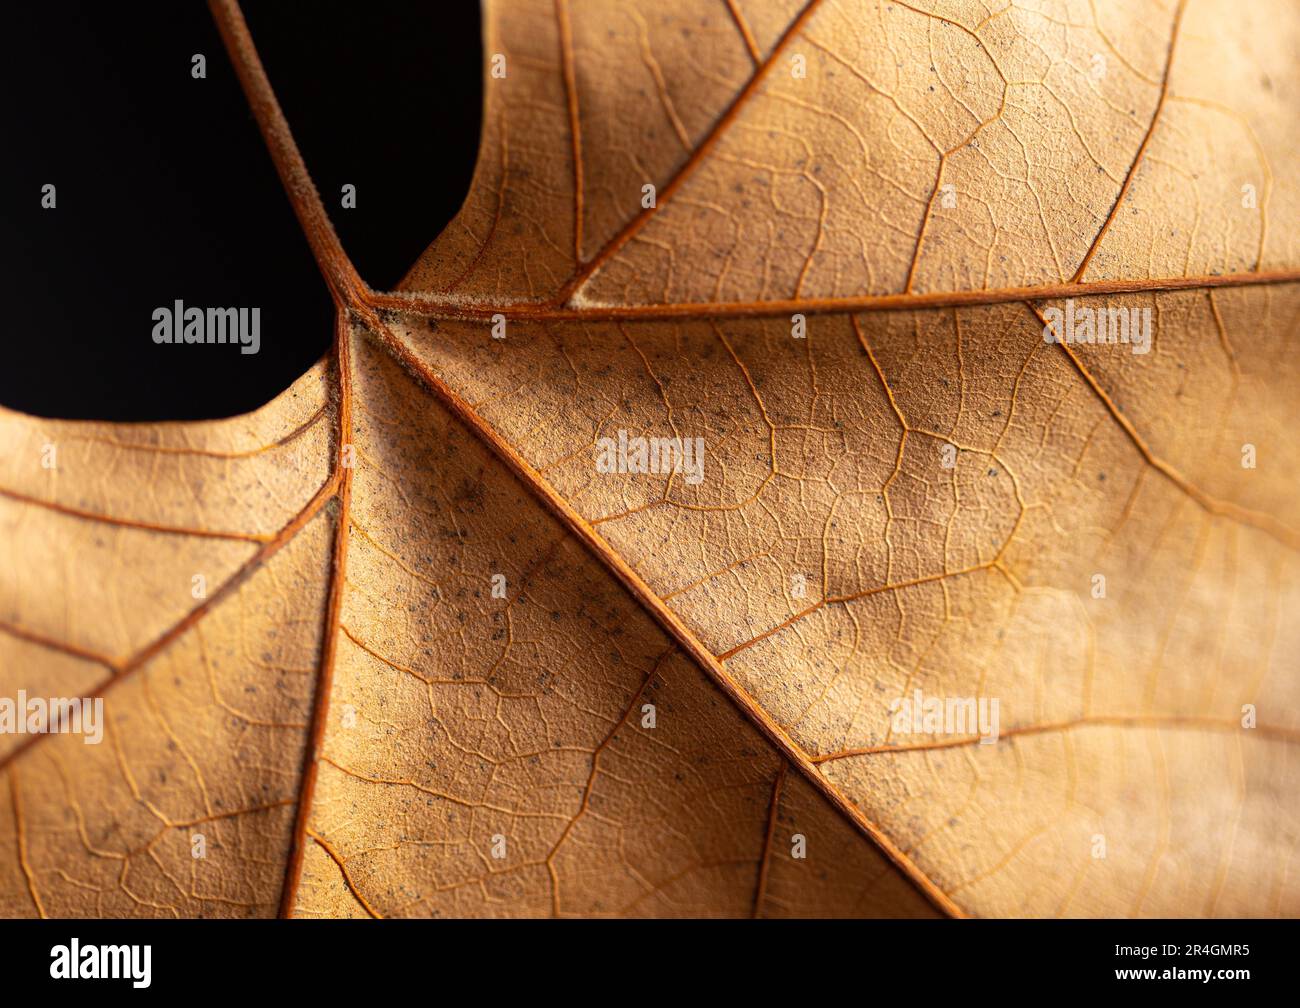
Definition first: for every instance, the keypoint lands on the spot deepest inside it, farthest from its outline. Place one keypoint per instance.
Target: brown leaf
(421, 678)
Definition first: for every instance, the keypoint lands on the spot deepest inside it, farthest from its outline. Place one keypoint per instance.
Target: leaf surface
(358, 725)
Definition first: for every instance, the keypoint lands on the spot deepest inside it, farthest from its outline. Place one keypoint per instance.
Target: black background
(165, 189)
(586, 961)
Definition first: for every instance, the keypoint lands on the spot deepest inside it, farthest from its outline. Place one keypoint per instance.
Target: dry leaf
(443, 664)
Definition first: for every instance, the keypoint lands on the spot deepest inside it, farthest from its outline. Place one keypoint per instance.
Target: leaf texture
(358, 725)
